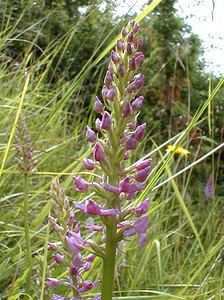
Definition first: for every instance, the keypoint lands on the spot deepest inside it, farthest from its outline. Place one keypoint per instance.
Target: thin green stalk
(26, 228)
(109, 260)
(45, 263)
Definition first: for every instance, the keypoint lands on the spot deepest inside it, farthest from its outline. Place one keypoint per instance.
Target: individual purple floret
(52, 282)
(142, 175)
(142, 208)
(125, 186)
(81, 185)
(92, 208)
(140, 227)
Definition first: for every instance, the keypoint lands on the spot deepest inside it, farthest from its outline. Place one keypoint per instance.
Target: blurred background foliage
(176, 81)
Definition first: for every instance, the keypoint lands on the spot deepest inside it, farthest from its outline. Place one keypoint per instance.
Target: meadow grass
(184, 256)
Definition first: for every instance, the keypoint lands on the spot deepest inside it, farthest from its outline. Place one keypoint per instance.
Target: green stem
(111, 226)
(75, 283)
(109, 260)
(26, 228)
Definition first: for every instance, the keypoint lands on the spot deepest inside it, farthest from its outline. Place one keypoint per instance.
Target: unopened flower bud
(111, 93)
(98, 106)
(137, 103)
(127, 110)
(98, 124)
(143, 164)
(105, 90)
(124, 32)
(136, 28)
(139, 80)
(90, 257)
(119, 45)
(139, 58)
(132, 125)
(58, 258)
(131, 87)
(74, 271)
(86, 266)
(110, 67)
(132, 64)
(138, 44)
(130, 37)
(129, 49)
(108, 79)
(51, 220)
(94, 228)
(89, 164)
(127, 155)
(131, 142)
(66, 203)
(106, 121)
(121, 69)
(53, 246)
(142, 174)
(98, 153)
(77, 227)
(114, 56)
(70, 218)
(140, 132)
(56, 227)
(90, 135)
(131, 23)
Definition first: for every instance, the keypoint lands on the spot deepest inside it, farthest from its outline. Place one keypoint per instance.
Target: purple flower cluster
(116, 135)
(24, 148)
(68, 251)
(209, 187)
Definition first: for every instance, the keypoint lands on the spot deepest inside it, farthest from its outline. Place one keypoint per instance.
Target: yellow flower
(177, 150)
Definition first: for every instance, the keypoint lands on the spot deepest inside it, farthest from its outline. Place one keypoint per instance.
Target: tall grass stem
(26, 229)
